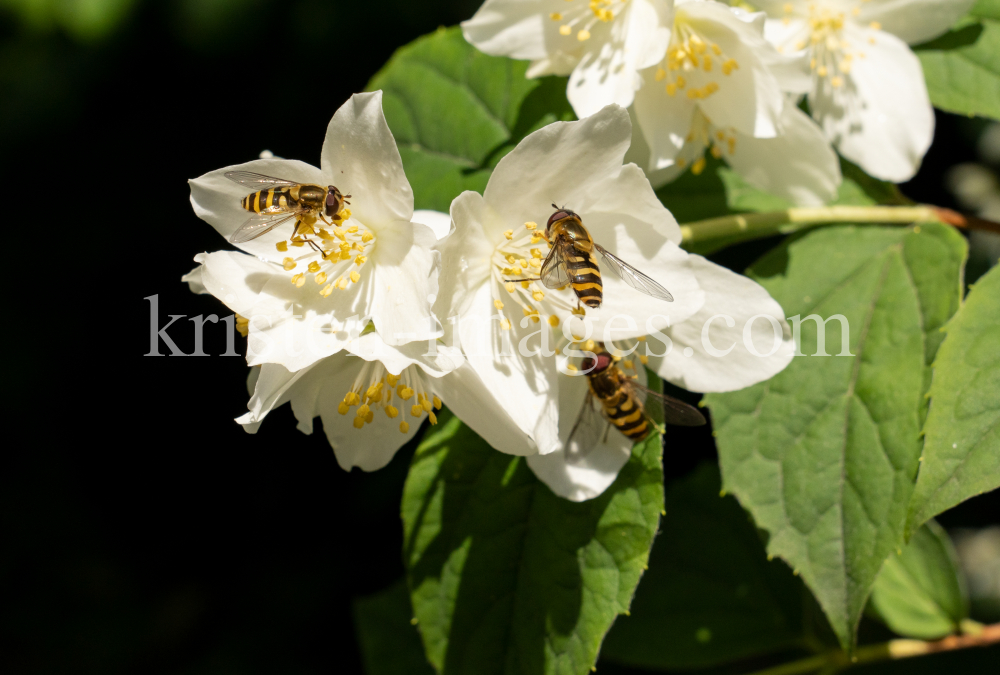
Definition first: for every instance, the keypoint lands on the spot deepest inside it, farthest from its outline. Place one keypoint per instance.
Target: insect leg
(525, 279)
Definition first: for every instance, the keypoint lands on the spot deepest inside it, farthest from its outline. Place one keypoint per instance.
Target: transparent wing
(634, 277)
(675, 412)
(588, 430)
(553, 274)
(258, 181)
(259, 224)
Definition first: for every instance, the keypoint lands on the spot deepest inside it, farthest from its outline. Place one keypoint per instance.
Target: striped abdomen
(265, 201)
(584, 276)
(628, 416)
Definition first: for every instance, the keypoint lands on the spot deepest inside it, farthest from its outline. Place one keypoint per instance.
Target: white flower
(868, 91)
(600, 44)
(720, 89)
(498, 237)
(369, 264)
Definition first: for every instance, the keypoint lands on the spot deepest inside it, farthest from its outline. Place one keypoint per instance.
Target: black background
(142, 530)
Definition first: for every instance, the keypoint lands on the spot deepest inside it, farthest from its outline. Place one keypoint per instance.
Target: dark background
(141, 531)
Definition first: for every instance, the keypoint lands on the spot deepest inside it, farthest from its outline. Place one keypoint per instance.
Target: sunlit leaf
(455, 112)
(962, 435)
(825, 454)
(506, 577)
(919, 592)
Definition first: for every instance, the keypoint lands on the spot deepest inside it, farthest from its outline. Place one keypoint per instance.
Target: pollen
(360, 260)
(298, 279)
(341, 283)
(536, 263)
(432, 417)
(671, 89)
(583, 35)
(359, 422)
(511, 259)
(535, 253)
(530, 225)
(555, 16)
(510, 286)
(339, 234)
(498, 304)
(405, 393)
(392, 379)
(565, 29)
(353, 229)
(698, 166)
(660, 75)
(505, 324)
(553, 320)
(437, 403)
(509, 234)
(404, 427)
(367, 236)
(242, 325)
(538, 296)
(282, 246)
(643, 359)
(417, 410)
(313, 267)
(729, 65)
(391, 411)
(327, 290)
(288, 264)
(355, 277)
(523, 263)
(324, 235)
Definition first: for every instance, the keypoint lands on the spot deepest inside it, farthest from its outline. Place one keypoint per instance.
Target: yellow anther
(583, 35)
(671, 89)
(523, 263)
(717, 49)
(530, 225)
(391, 379)
(345, 246)
(641, 338)
(511, 259)
(352, 398)
(343, 408)
(360, 260)
(391, 411)
(697, 44)
(340, 283)
(571, 367)
(555, 16)
(716, 151)
(242, 325)
(707, 63)
(509, 234)
(498, 304)
(374, 392)
(536, 263)
(505, 324)
(358, 247)
(875, 25)
(370, 416)
(353, 229)
(282, 246)
(643, 359)
(298, 279)
(437, 403)
(355, 277)
(405, 393)
(681, 82)
(729, 65)
(536, 237)
(404, 427)
(363, 410)
(535, 253)
(313, 267)
(509, 286)
(327, 290)
(565, 29)
(837, 81)
(628, 364)
(339, 234)
(367, 236)
(288, 264)
(426, 404)
(432, 417)
(359, 422)
(416, 410)
(324, 235)
(698, 166)
(553, 320)
(525, 284)
(660, 74)
(579, 311)
(538, 296)
(788, 8)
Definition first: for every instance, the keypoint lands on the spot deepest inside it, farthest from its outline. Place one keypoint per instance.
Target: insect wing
(259, 224)
(634, 277)
(553, 274)
(588, 430)
(258, 181)
(675, 412)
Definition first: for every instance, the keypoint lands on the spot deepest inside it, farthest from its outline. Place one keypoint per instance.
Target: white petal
(665, 122)
(881, 118)
(466, 395)
(915, 21)
(799, 165)
(440, 223)
(514, 28)
(749, 99)
(741, 299)
(404, 283)
(193, 278)
(272, 388)
(361, 158)
(524, 386)
(434, 359)
(560, 163)
(466, 253)
(607, 72)
(216, 200)
(236, 279)
(630, 193)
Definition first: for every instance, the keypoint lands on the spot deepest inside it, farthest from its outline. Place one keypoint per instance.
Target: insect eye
(588, 364)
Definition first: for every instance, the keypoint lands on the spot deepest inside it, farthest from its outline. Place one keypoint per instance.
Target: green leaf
(692, 197)
(825, 454)
(455, 112)
(390, 645)
(962, 435)
(710, 596)
(506, 577)
(919, 592)
(962, 67)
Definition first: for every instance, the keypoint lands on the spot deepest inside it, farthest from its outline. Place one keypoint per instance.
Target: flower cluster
(704, 77)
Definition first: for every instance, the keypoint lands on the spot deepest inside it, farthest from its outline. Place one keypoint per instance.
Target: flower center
(830, 57)
(517, 264)
(333, 253)
(375, 388)
(704, 134)
(691, 57)
(581, 17)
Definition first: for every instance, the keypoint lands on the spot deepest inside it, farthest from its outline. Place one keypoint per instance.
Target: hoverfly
(276, 201)
(571, 261)
(622, 405)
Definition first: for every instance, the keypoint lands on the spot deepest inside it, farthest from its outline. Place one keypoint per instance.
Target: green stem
(835, 660)
(756, 225)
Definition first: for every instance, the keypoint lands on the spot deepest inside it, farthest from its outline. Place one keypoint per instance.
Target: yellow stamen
(282, 246)
(288, 264)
